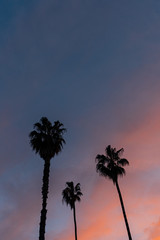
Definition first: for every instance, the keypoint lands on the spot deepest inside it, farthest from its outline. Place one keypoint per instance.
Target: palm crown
(111, 165)
(71, 194)
(47, 139)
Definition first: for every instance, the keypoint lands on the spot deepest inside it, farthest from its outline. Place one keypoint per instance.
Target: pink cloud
(154, 231)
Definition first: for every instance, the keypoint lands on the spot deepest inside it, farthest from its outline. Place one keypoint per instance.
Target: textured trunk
(123, 210)
(44, 199)
(75, 224)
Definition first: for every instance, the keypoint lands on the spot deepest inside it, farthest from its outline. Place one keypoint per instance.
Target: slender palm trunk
(44, 199)
(75, 224)
(123, 210)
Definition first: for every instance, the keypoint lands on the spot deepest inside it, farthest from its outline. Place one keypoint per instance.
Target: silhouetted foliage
(70, 195)
(46, 140)
(111, 166)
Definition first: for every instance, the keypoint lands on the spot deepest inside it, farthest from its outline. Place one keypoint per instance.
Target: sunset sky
(94, 65)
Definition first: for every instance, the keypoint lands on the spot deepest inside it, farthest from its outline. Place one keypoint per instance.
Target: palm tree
(46, 140)
(70, 195)
(111, 167)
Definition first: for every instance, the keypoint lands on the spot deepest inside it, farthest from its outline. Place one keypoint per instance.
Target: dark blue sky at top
(74, 62)
(93, 65)
(73, 59)
(71, 49)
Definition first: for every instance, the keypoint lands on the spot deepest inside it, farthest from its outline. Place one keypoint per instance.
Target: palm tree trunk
(123, 210)
(75, 224)
(44, 199)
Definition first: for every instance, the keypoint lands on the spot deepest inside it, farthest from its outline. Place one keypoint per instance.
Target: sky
(94, 65)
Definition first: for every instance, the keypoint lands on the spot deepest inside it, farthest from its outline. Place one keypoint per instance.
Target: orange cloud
(141, 143)
(98, 217)
(154, 231)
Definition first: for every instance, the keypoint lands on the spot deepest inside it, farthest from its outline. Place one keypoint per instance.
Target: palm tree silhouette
(70, 195)
(111, 166)
(46, 140)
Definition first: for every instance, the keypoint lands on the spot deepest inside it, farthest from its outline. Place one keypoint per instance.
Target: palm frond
(108, 151)
(38, 126)
(47, 139)
(103, 171)
(102, 159)
(123, 162)
(71, 194)
(120, 151)
(111, 165)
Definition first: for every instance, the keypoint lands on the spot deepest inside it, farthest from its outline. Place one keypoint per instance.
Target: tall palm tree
(70, 195)
(111, 167)
(46, 140)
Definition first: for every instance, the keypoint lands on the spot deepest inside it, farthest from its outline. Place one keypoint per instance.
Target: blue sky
(93, 65)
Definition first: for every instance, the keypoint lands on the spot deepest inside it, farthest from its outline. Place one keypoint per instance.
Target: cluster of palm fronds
(47, 140)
